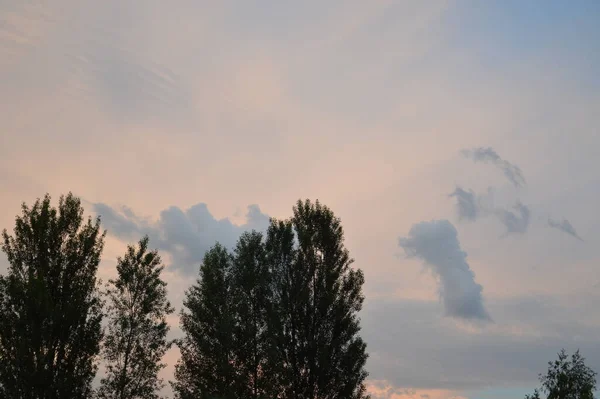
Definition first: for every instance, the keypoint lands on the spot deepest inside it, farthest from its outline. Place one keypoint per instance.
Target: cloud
(436, 243)
(515, 222)
(488, 155)
(416, 349)
(565, 226)
(186, 235)
(471, 206)
(466, 204)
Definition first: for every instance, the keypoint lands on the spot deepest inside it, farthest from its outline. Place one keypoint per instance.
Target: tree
(567, 379)
(286, 296)
(50, 307)
(226, 346)
(137, 329)
(317, 298)
(251, 303)
(278, 317)
(206, 368)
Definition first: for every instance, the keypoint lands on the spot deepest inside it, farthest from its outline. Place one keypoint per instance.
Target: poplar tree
(251, 303)
(50, 307)
(137, 330)
(318, 297)
(278, 318)
(206, 367)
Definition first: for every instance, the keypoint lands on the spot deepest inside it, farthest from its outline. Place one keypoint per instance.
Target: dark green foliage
(251, 303)
(205, 369)
(50, 309)
(287, 299)
(318, 296)
(278, 318)
(136, 339)
(567, 379)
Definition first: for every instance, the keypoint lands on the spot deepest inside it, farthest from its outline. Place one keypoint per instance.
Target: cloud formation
(186, 235)
(466, 204)
(470, 206)
(526, 332)
(436, 243)
(565, 226)
(487, 155)
(515, 222)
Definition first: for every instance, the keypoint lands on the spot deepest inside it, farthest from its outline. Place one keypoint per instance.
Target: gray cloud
(487, 154)
(186, 235)
(436, 243)
(466, 204)
(515, 222)
(470, 206)
(527, 333)
(565, 226)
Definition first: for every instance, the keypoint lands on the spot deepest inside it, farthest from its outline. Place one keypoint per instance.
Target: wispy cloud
(487, 155)
(466, 204)
(436, 243)
(185, 234)
(515, 222)
(565, 226)
(471, 206)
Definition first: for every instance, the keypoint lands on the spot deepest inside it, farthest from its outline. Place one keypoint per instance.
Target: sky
(456, 140)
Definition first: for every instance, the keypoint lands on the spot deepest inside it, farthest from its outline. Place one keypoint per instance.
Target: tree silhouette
(206, 369)
(251, 304)
(137, 330)
(567, 379)
(50, 308)
(278, 318)
(317, 298)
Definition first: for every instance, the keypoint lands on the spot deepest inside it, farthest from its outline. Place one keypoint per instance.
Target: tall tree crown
(320, 297)
(137, 330)
(205, 369)
(50, 308)
(277, 318)
(567, 379)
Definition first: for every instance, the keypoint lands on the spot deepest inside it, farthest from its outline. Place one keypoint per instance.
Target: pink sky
(363, 105)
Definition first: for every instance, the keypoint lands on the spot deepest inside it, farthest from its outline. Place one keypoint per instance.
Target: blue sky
(171, 119)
